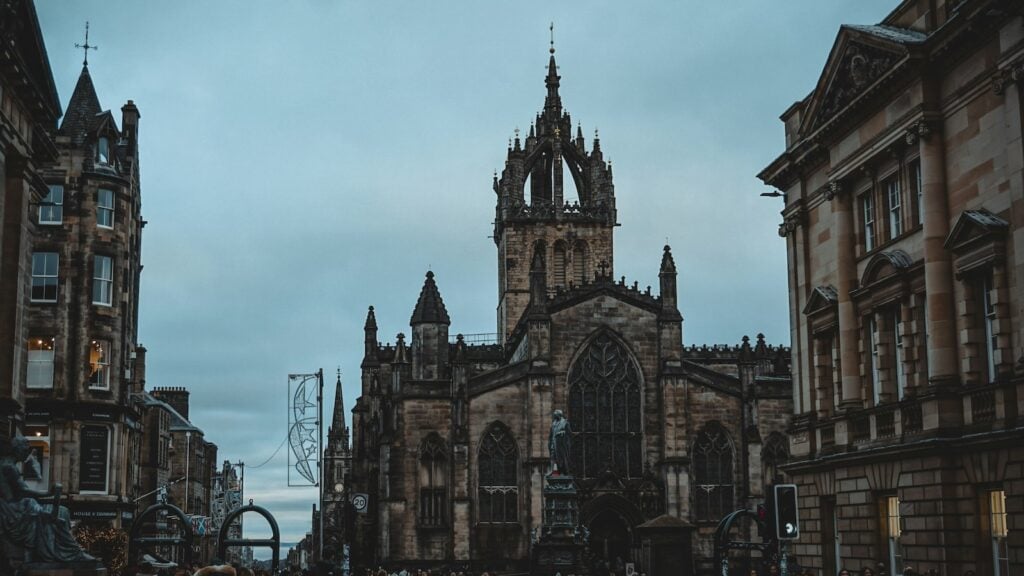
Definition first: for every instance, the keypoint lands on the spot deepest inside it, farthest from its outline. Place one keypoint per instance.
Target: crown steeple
(551, 180)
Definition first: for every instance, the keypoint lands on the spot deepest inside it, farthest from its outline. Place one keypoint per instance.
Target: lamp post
(188, 461)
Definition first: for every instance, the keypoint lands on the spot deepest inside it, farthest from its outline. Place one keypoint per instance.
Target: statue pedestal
(63, 569)
(560, 545)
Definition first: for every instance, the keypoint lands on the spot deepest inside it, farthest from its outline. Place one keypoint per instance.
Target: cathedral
(450, 437)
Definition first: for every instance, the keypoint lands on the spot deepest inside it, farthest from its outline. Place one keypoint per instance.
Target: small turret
(370, 358)
(430, 323)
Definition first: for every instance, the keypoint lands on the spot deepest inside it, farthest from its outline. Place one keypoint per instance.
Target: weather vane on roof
(86, 47)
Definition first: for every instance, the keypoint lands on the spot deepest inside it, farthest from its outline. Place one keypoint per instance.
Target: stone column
(938, 266)
(846, 272)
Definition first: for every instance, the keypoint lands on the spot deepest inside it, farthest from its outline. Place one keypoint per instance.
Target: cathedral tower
(554, 197)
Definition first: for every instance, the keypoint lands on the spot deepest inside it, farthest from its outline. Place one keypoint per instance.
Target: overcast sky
(303, 160)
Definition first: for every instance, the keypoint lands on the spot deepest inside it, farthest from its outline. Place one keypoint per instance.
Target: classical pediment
(822, 298)
(860, 58)
(974, 225)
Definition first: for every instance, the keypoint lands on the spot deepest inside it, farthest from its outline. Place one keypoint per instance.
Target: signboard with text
(94, 459)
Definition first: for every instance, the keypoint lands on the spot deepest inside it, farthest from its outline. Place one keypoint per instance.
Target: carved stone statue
(560, 443)
(43, 530)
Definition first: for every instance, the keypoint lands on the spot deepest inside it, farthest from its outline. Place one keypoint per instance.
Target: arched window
(498, 494)
(712, 473)
(774, 454)
(433, 482)
(579, 263)
(604, 411)
(560, 265)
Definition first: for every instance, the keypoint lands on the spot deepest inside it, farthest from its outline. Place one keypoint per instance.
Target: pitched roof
(901, 35)
(430, 307)
(83, 109)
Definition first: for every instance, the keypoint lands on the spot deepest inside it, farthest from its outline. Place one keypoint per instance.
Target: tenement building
(904, 204)
(450, 436)
(29, 109)
(81, 416)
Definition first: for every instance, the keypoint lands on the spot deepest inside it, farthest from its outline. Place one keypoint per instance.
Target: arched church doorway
(610, 538)
(611, 521)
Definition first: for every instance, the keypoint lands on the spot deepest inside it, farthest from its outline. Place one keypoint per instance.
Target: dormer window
(103, 150)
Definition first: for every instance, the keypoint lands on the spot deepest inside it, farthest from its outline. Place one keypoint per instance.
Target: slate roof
(83, 109)
(178, 422)
(891, 33)
(430, 307)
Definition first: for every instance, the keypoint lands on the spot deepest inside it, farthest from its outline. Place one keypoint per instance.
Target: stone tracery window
(498, 494)
(712, 473)
(433, 482)
(605, 411)
(775, 453)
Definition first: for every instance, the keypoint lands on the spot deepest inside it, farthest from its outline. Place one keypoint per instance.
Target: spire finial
(86, 47)
(552, 28)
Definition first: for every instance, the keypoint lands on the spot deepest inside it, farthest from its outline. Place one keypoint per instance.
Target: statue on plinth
(43, 530)
(560, 443)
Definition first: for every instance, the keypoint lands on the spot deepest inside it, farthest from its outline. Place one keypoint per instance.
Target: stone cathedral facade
(450, 437)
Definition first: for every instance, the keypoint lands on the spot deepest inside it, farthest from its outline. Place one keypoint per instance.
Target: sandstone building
(29, 109)
(904, 204)
(81, 416)
(450, 437)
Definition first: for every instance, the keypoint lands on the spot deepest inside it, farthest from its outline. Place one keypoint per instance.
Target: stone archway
(612, 521)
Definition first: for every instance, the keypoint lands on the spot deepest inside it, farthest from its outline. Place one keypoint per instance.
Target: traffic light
(786, 517)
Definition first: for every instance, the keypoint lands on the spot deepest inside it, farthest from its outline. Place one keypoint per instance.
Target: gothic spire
(430, 307)
(553, 102)
(338, 419)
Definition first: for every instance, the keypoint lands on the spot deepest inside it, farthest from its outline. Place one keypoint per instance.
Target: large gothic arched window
(498, 494)
(604, 411)
(433, 482)
(712, 473)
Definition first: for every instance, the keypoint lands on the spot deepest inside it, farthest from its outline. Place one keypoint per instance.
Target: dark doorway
(610, 538)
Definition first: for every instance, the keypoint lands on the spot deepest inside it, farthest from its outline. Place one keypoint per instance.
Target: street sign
(360, 503)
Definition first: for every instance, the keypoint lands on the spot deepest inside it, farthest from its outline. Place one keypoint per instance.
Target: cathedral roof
(83, 109)
(430, 307)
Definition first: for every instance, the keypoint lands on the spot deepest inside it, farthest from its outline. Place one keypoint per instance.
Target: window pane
(51, 210)
(105, 208)
(40, 362)
(99, 364)
(103, 280)
(44, 277)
